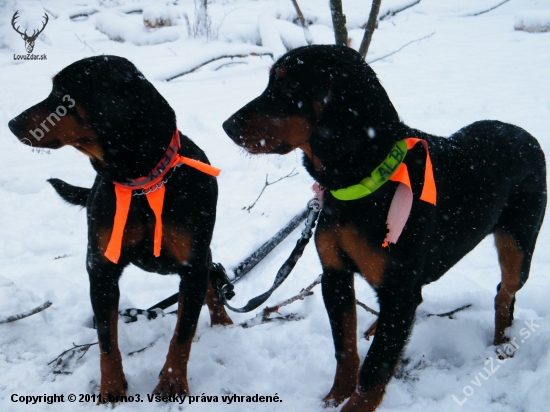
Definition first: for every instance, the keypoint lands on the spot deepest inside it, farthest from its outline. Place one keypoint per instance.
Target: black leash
(224, 288)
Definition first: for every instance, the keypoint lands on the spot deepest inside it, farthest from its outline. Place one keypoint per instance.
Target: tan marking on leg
(218, 314)
(510, 259)
(133, 233)
(113, 381)
(328, 249)
(178, 242)
(345, 379)
(371, 261)
(173, 379)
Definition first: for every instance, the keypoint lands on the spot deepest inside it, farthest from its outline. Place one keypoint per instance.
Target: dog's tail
(74, 195)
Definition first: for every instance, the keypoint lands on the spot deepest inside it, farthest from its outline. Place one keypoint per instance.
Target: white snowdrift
(119, 28)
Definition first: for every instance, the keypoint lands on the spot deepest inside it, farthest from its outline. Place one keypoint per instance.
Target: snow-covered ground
(470, 68)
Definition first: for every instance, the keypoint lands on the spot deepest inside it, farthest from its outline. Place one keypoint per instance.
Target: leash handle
(225, 292)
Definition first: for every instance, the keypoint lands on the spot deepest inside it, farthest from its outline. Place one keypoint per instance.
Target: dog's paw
(336, 396)
(361, 403)
(112, 390)
(506, 350)
(172, 382)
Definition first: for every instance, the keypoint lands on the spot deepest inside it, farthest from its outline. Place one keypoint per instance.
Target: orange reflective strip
(123, 198)
(156, 200)
(429, 191)
(203, 167)
(401, 175)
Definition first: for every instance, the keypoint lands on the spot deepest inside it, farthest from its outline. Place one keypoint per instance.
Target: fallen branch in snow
(359, 303)
(266, 184)
(391, 12)
(64, 357)
(369, 30)
(142, 349)
(83, 42)
(218, 58)
(307, 34)
(82, 12)
(486, 11)
(300, 296)
(28, 313)
(401, 48)
(449, 314)
(61, 256)
(372, 328)
(263, 316)
(61, 363)
(228, 64)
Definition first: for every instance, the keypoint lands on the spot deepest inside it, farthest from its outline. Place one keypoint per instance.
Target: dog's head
(322, 99)
(104, 107)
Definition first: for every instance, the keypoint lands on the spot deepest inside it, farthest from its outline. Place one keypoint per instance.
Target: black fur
(74, 195)
(117, 118)
(490, 178)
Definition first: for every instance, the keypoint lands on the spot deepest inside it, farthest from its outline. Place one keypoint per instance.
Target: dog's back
(491, 176)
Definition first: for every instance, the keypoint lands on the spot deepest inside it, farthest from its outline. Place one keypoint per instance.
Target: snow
(533, 21)
(118, 28)
(471, 68)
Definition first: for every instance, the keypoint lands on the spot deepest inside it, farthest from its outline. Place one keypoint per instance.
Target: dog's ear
(357, 108)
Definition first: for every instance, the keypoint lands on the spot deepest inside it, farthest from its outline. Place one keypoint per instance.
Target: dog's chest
(345, 248)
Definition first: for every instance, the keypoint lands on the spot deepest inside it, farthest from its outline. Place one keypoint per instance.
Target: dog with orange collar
(112, 114)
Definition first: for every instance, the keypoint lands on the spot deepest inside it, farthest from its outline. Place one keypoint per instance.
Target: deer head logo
(29, 40)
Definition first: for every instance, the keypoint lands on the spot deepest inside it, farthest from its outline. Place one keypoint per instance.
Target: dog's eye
(293, 85)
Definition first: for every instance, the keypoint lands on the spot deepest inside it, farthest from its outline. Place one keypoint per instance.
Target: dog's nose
(232, 128)
(16, 124)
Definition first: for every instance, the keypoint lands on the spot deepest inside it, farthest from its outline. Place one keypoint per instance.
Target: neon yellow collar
(378, 177)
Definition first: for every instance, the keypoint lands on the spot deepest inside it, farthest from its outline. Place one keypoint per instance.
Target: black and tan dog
(489, 177)
(105, 108)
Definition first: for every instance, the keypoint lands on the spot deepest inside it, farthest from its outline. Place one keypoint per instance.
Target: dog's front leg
(397, 308)
(339, 299)
(192, 292)
(104, 293)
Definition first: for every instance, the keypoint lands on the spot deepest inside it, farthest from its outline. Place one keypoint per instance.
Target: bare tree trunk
(339, 22)
(369, 30)
(307, 34)
(202, 26)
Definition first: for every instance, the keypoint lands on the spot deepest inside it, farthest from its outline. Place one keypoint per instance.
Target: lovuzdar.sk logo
(29, 40)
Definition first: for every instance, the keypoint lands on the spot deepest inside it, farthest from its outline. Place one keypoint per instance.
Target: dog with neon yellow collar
(401, 207)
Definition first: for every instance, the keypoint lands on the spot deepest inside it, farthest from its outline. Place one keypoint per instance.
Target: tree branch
(339, 22)
(486, 11)
(263, 316)
(269, 184)
(28, 313)
(368, 309)
(369, 30)
(307, 34)
(229, 56)
(401, 48)
(391, 13)
(449, 314)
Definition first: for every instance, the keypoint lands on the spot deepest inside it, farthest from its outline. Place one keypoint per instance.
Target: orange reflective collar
(153, 185)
